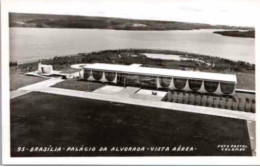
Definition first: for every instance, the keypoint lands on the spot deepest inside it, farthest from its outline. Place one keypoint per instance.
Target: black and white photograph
(139, 78)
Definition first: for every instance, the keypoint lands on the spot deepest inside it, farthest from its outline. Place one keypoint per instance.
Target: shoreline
(140, 53)
(245, 71)
(75, 21)
(238, 34)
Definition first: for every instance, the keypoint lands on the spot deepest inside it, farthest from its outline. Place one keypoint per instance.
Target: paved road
(36, 86)
(42, 85)
(17, 93)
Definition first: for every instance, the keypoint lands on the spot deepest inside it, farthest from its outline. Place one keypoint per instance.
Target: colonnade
(169, 83)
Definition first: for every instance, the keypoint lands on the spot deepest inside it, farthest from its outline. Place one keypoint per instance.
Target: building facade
(158, 78)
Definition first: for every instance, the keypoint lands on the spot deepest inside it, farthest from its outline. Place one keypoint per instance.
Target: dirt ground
(246, 81)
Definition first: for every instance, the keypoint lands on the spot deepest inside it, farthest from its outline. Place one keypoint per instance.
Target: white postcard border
(176, 160)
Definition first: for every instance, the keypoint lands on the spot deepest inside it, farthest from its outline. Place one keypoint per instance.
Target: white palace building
(159, 78)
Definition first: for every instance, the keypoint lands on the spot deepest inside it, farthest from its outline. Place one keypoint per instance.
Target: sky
(224, 12)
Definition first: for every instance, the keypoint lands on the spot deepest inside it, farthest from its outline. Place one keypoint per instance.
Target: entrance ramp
(129, 90)
(132, 92)
(109, 89)
(118, 90)
(150, 95)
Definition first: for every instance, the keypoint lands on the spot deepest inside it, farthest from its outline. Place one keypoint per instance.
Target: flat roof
(161, 72)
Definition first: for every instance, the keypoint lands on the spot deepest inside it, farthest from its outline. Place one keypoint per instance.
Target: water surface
(32, 44)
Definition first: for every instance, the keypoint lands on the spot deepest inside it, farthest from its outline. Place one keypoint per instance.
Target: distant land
(68, 21)
(243, 34)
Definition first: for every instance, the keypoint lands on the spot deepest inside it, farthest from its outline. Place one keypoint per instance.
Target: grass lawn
(18, 79)
(69, 70)
(76, 84)
(39, 119)
(246, 81)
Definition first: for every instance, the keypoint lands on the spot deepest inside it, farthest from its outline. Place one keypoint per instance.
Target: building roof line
(161, 72)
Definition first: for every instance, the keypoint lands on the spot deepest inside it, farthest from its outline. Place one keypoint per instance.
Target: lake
(32, 44)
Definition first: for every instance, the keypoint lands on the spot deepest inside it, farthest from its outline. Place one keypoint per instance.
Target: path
(36, 86)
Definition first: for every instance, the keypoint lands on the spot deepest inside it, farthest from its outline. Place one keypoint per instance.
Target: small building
(45, 69)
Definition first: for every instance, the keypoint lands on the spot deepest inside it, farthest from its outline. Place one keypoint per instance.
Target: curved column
(91, 78)
(187, 88)
(172, 87)
(202, 88)
(234, 90)
(218, 91)
(103, 78)
(81, 74)
(115, 80)
(158, 85)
